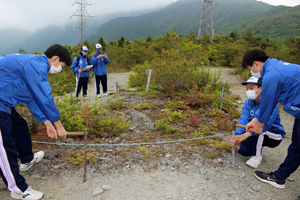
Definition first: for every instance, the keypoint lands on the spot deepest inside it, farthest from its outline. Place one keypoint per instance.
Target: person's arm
(241, 134)
(271, 89)
(35, 110)
(94, 60)
(75, 65)
(245, 118)
(273, 117)
(106, 59)
(36, 79)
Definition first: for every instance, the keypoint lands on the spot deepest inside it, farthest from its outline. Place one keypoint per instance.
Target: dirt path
(173, 178)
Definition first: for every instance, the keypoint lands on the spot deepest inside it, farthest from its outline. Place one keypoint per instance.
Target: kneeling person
(251, 144)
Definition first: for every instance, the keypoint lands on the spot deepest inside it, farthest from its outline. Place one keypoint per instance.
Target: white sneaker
(28, 194)
(106, 94)
(254, 161)
(98, 95)
(36, 158)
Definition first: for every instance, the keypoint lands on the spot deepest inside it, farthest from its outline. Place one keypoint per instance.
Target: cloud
(280, 2)
(31, 15)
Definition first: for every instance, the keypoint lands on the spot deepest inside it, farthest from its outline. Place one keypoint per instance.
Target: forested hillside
(273, 22)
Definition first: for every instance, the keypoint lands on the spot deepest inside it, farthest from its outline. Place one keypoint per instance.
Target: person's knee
(244, 152)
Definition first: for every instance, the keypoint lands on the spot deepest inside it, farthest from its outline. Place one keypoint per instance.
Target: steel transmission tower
(207, 21)
(81, 25)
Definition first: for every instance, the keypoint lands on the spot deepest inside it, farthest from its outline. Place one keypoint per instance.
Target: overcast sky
(31, 15)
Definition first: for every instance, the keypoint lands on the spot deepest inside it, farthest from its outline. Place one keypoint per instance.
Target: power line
(82, 15)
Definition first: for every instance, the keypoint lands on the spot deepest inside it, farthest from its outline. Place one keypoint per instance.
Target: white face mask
(55, 70)
(257, 74)
(84, 53)
(251, 94)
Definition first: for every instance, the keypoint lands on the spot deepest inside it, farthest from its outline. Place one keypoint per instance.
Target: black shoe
(297, 198)
(270, 178)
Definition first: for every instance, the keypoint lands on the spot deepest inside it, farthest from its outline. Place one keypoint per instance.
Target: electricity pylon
(81, 25)
(207, 21)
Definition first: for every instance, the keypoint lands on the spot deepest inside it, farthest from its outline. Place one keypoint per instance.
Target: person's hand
(101, 55)
(51, 131)
(105, 56)
(88, 69)
(61, 132)
(79, 70)
(258, 128)
(233, 141)
(239, 139)
(250, 126)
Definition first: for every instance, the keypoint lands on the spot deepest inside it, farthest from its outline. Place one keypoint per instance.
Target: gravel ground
(172, 177)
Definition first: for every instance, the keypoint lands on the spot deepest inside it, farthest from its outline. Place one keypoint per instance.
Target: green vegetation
(77, 157)
(75, 116)
(264, 20)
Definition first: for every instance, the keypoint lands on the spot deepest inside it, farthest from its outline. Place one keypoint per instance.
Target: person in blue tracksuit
(251, 144)
(24, 80)
(99, 60)
(82, 77)
(281, 83)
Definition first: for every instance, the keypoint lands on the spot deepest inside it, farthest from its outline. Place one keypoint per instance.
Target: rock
(136, 118)
(106, 187)
(243, 175)
(56, 166)
(50, 154)
(229, 194)
(220, 160)
(67, 140)
(169, 196)
(97, 191)
(202, 171)
(255, 188)
(290, 179)
(168, 155)
(215, 161)
(36, 176)
(148, 111)
(132, 128)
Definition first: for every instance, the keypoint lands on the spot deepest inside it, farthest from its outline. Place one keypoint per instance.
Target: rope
(227, 99)
(133, 144)
(233, 103)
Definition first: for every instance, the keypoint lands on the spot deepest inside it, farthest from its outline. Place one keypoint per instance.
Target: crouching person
(251, 144)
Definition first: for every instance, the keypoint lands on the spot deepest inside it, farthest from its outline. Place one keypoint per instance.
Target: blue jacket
(281, 83)
(99, 64)
(24, 79)
(83, 62)
(273, 124)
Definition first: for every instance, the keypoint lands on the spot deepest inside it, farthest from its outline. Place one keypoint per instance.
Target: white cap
(98, 46)
(253, 80)
(84, 48)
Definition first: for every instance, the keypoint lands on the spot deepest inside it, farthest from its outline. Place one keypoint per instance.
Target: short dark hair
(254, 55)
(61, 52)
